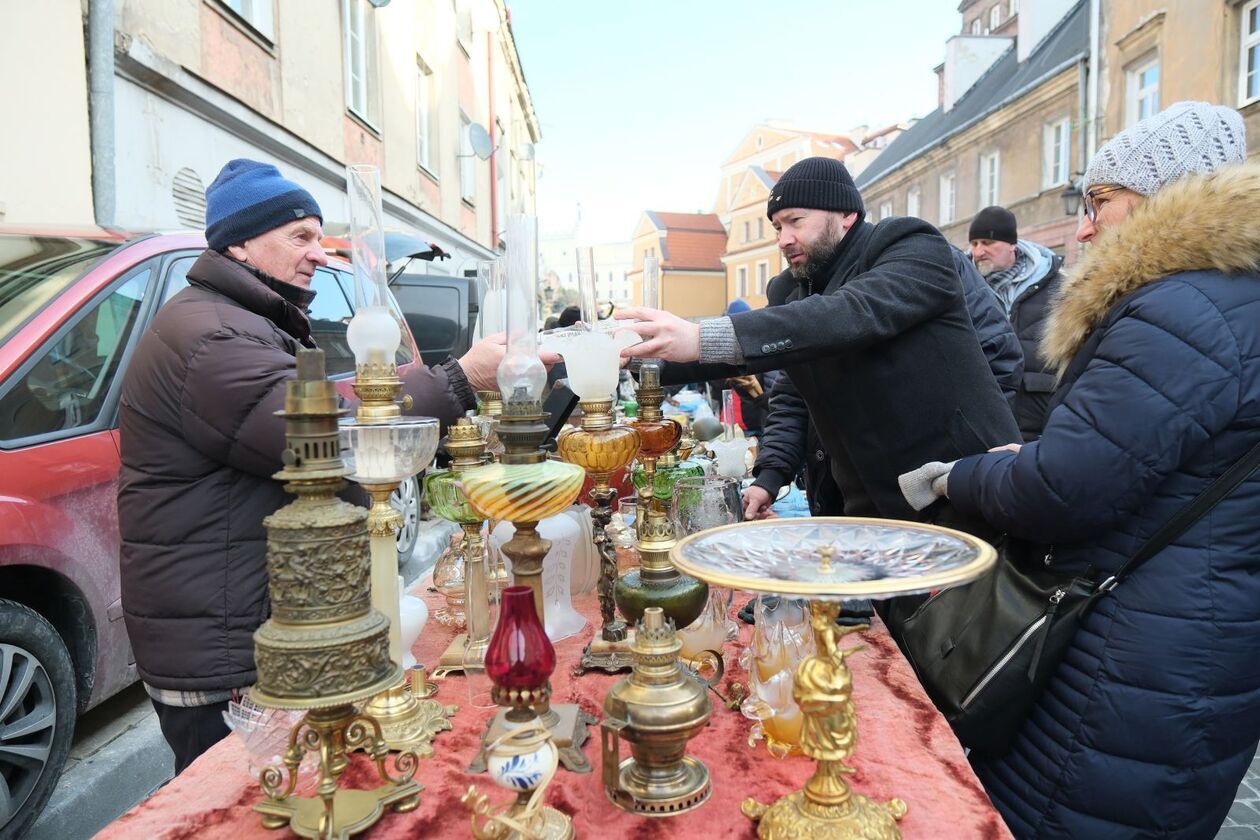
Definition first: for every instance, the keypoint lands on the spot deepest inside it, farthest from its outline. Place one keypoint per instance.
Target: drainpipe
(1095, 73)
(495, 198)
(100, 66)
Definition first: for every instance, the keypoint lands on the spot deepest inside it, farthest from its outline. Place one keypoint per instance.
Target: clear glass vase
(782, 637)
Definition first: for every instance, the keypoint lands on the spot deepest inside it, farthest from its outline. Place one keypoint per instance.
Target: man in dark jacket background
(1025, 277)
(200, 442)
(871, 330)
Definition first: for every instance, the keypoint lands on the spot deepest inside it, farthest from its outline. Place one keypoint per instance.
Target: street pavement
(1243, 822)
(119, 756)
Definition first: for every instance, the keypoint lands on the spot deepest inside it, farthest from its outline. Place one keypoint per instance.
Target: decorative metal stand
(858, 558)
(324, 647)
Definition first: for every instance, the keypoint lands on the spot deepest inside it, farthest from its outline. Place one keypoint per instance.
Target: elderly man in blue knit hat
(200, 441)
(871, 330)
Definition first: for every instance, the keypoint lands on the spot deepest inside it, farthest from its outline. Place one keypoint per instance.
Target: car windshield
(35, 269)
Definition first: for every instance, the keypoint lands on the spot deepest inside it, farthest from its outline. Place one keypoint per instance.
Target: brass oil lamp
(599, 446)
(466, 447)
(523, 759)
(657, 710)
(526, 487)
(656, 582)
(325, 647)
(385, 449)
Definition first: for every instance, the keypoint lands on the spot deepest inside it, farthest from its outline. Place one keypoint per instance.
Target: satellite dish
(479, 141)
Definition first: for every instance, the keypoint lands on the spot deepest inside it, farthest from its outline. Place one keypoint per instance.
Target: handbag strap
(1187, 516)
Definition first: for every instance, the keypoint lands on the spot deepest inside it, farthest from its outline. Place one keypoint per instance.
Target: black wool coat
(883, 358)
(1039, 381)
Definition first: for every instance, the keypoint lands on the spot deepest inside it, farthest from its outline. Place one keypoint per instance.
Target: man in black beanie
(871, 330)
(1025, 277)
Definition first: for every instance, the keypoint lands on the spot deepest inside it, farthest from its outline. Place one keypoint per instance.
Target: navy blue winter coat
(1153, 716)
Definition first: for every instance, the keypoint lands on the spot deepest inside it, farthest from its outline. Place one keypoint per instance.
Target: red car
(73, 303)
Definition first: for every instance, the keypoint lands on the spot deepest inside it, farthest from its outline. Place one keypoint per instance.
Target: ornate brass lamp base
(567, 724)
(638, 793)
(407, 720)
(609, 657)
(826, 809)
(797, 816)
(452, 659)
(335, 814)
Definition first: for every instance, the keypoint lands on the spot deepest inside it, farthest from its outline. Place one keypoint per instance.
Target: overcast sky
(640, 102)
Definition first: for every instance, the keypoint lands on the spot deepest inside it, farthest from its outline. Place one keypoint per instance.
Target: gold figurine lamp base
(826, 560)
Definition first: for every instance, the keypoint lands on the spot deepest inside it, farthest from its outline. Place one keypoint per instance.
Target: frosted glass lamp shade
(592, 357)
(373, 335)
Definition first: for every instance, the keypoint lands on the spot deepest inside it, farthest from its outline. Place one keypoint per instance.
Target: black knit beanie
(816, 183)
(996, 223)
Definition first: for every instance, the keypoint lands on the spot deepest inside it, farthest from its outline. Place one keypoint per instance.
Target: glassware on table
(622, 533)
(448, 580)
(703, 502)
(562, 620)
(781, 638)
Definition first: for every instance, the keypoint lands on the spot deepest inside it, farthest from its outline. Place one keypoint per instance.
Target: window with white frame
(259, 14)
(1142, 91)
(1249, 55)
(1056, 144)
(975, 26)
(763, 276)
(885, 209)
(990, 173)
(362, 87)
(467, 161)
(424, 114)
(913, 200)
(747, 231)
(995, 16)
(741, 281)
(501, 179)
(1014, 6)
(949, 196)
(761, 229)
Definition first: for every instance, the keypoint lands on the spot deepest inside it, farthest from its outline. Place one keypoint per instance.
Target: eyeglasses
(1091, 208)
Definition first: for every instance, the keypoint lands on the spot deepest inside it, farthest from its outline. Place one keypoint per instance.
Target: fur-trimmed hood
(1200, 222)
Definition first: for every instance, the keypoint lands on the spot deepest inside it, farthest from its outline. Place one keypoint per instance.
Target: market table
(905, 749)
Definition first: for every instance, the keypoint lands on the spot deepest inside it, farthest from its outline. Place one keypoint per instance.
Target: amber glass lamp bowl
(599, 452)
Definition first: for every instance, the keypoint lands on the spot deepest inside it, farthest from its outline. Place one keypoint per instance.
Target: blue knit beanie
(737, 305)
(249, 198)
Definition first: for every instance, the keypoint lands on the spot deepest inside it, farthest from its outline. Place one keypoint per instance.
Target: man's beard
(819, 252)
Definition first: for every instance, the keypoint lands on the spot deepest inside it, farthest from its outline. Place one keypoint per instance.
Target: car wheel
(406, 500)
(37, 704)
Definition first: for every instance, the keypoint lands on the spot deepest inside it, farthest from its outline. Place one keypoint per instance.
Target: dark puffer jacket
(1038, 380)
(200, 442)
(1153, 717)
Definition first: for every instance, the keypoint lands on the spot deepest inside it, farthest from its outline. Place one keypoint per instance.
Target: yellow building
(689, 247)
(752, 254)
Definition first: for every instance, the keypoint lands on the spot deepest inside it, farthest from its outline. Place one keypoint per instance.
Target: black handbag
(984, 651)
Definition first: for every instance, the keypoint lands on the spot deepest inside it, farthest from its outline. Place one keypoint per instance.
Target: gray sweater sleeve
(718, 342)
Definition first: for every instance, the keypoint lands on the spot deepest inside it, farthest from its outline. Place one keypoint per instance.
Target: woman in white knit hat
(1153, 715)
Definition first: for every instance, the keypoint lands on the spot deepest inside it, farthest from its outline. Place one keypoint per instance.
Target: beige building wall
(1018, 134)
(752, 255)
(45, 151)
(693, 294)
(1197, 44)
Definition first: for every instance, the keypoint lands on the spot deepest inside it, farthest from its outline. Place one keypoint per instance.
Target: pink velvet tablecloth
(905, 749)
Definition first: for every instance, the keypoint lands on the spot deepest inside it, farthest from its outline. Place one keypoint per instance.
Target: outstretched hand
(665, 335)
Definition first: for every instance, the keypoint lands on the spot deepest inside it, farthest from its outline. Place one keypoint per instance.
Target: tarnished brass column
(409, 722)
(324, 647)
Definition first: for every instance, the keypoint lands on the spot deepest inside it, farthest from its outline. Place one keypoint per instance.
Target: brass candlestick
(466, 447)
(657, 709)
(324, 647)
(600, 447)
(856, 558)
(523, 489)
(408, 722)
